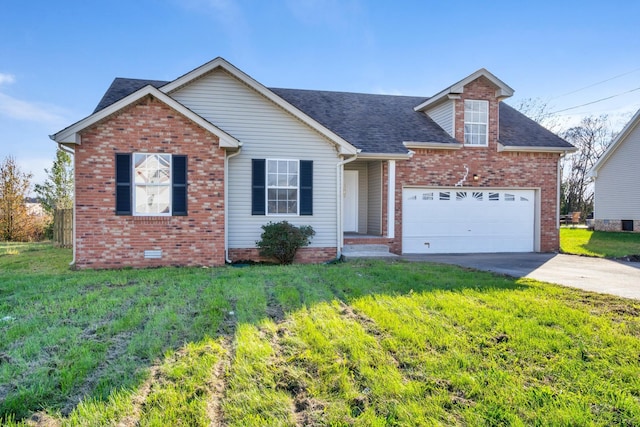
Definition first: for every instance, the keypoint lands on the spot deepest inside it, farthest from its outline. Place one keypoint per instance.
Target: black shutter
(123, 184)
(306, 187)
(258, 196)
(179, 185)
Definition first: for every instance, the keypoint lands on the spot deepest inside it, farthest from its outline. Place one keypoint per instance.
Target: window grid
(476, 120)
(152, 184)
(282, 187)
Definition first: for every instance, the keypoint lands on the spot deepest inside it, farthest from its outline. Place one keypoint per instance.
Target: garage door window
(445, 195)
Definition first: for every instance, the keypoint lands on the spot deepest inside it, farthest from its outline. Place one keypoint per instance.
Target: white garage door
(467, 220)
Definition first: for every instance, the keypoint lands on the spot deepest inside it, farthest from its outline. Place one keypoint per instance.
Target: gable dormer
(468, 110)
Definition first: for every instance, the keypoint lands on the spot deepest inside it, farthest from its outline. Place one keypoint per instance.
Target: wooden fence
(63, 228)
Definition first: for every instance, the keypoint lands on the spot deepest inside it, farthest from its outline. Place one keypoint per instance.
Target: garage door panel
(468, 221)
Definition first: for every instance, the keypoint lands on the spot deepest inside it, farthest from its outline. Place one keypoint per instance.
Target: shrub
(281, 240)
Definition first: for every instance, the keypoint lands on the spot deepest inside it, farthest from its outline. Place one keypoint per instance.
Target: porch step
(367, 251)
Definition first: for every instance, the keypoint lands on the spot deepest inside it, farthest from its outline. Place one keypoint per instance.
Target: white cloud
(7, 78)
(30, 111)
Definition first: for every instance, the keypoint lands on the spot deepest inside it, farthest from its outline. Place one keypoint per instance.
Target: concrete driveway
(591, 274)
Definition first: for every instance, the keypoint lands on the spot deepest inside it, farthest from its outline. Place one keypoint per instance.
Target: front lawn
(360, 343)
(607, 244)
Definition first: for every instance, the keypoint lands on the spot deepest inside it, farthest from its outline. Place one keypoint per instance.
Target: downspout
(340, 189)
(71, 153)
(226, 202)
(559, 189)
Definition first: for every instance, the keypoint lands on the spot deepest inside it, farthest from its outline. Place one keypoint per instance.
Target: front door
(350, 201)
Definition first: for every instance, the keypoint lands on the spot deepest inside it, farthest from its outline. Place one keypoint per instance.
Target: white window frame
(474, 123)
(276, 187)
(134, 185)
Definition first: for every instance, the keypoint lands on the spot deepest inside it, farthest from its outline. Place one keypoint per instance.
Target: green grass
(605, 244)
(362, 343)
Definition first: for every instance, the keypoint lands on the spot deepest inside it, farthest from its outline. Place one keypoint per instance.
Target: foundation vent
(153, 254)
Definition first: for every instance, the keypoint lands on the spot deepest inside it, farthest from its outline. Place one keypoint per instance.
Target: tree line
(17, 222)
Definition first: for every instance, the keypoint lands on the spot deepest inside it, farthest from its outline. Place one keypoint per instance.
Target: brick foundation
(613, 225)
(303, 256)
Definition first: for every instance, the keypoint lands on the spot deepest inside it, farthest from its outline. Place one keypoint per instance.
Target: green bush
(281, 240)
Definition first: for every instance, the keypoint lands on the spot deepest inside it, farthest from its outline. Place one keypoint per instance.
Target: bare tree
(15, 222)
(591, 137)
(539, 111)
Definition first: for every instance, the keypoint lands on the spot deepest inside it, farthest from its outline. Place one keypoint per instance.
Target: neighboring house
(186, 172)
(616, 175)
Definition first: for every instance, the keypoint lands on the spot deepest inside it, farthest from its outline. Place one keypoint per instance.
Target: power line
(596, 84)
(596, 101)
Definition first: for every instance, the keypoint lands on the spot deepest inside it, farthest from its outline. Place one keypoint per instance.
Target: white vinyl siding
(617, 186)
(443, 115)
(374, 218)
(266, 131)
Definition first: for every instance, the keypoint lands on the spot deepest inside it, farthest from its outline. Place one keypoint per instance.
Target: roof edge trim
(384, 156)
(503, 90)
(629, 127)
(70, 135)
(530, 149)
(432, 145)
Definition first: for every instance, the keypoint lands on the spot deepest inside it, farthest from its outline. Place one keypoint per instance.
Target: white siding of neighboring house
(617, 193)
(443, 116)
(374, 219)
(266, 131)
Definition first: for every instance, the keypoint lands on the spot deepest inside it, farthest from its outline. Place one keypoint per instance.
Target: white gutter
(72, 153)
(525, 149)
(226, 202)
(339, 191)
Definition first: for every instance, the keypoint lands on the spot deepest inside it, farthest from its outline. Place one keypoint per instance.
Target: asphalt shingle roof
(375, 123)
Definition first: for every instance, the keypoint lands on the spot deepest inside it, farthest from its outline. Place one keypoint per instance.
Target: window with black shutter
(149, 184)
(281, 187)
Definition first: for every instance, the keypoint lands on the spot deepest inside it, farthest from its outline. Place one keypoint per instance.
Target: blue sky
(58, 57)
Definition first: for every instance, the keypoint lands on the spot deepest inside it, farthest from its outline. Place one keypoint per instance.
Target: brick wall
(495, 169)
(105, 240)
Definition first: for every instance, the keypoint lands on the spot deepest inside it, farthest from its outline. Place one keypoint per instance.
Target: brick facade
(107, 240)
(429, 167)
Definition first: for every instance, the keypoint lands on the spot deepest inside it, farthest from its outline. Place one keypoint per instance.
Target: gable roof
(619, 139)
(374, 124)
(503, 90)
(70, 135)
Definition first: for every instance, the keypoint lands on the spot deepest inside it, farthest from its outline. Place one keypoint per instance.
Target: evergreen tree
(57, 190)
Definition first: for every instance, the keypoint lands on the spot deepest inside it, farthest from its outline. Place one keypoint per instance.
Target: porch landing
(366, 246)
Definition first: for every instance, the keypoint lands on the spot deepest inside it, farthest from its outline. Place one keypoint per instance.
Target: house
(186, 172)
(616, 202)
